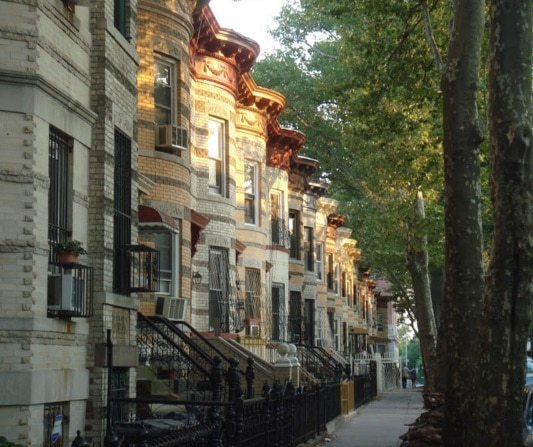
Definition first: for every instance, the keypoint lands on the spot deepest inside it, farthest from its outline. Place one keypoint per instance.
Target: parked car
(527, 423)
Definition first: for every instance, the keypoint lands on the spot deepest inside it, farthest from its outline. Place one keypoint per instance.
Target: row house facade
(137, 129)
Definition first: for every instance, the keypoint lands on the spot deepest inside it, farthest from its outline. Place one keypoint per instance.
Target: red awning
(198, 223)
(150, 217)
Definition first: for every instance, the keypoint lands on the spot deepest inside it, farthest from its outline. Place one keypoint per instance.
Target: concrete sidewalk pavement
(380, 422)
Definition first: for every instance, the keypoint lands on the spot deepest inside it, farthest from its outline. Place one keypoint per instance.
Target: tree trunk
(507, 308)
(463, 291)
(417, 264)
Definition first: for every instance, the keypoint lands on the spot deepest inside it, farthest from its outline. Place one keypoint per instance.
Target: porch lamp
(196, 278)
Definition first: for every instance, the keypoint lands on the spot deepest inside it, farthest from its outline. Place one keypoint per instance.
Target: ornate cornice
(327, 205)
(220, 55)
(256, 106)
(318, 187)
(304, 166)
(282, 145)
(336, 220)
(350, 246)
(264, 99)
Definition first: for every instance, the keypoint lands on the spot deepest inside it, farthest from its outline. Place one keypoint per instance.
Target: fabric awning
(152, 218)
(198, 223)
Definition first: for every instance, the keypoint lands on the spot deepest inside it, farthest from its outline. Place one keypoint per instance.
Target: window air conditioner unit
(253, 330)
(171, 308)
(65, 293)
(172, 137)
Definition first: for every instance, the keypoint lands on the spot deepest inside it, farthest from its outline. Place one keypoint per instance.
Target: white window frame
(216, 150)
(251, 192)
(309, 248)
(172, 86)
(173, 281)
(319, 261)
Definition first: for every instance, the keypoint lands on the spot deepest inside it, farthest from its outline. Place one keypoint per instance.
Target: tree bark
(507, 308)
(417, 264)
(463, 290)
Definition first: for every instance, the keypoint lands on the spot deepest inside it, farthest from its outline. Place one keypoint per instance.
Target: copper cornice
(304, 165)
(210, 39)
(251, 95)
(318, 187)
(282, 145)
(336, 220)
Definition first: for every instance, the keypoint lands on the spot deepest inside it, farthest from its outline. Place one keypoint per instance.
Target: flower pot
(67, 257)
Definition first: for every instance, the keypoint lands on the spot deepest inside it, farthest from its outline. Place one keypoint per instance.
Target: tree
(507, 299)
(372, 122)
(366, 77)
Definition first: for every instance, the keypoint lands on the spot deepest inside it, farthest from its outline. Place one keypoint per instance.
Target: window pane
(213, 145)
(216, 150)
(250, 194)
(163, 93)
(163, 243)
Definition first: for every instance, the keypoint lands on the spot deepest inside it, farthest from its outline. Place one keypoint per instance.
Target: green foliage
(363, 86)
(70, 246)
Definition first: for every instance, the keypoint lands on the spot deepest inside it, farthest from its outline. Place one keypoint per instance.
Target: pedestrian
(405, 376)
(412, 373)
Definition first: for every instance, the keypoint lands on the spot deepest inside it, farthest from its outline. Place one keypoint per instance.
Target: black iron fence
(227, 415)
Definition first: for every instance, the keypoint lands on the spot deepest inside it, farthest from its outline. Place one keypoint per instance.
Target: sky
(251, 18)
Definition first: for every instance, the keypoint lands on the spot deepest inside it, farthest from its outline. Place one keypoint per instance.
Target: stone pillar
(295, 363)
(283, 365)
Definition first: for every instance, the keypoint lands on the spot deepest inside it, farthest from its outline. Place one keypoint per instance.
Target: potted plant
(67, 252)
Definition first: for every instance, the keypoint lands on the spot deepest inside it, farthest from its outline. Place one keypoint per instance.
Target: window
(309, 249)
(168, 244)
(164, 98)
(295, 317)
(59, 200)
(55, 423)
(279, 229)
(251, 193)
(330, 271)
(253, 292)
(120, 17)
(294, 231)
(336, 333)
(278, 312)
(217, 157)
(319, 261)
(219, 289)
(122, 212)
(119, 390)
(380, 322)
(309, 322)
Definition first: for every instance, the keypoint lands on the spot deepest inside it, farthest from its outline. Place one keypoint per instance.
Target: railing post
(277, 397)
(239, 415)
(216, 383)
(290, 392)
(250, 378)
(111, 439)
(268, 414)
(234, 388)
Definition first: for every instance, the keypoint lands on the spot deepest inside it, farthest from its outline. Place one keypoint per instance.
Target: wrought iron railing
(185, 368)
(320, 367)
(70, 291)
(280, 233)
(283, 416)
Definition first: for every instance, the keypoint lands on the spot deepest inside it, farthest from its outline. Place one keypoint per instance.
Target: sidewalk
(380, 422)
